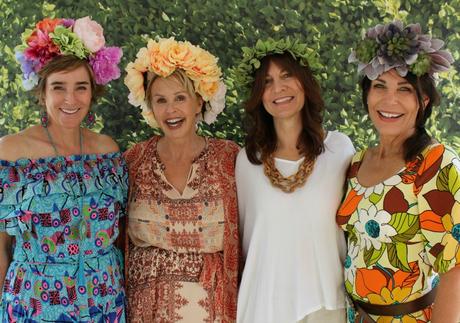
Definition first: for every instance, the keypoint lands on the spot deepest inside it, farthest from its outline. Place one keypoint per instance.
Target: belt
(394, 309)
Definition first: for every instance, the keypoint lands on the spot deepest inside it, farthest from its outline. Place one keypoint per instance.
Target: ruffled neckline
(53, 159)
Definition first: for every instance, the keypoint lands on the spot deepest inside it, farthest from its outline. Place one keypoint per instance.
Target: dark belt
(395, 309)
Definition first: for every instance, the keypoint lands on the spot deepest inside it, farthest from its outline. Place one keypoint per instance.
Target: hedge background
(332, 27)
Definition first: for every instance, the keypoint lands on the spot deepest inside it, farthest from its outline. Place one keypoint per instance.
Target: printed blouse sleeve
(438, 189)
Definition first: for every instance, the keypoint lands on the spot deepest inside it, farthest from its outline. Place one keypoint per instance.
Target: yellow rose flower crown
(165, 55)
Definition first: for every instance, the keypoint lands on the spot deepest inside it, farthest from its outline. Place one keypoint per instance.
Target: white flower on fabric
(377, 189)
(373, 227)
(350, 265)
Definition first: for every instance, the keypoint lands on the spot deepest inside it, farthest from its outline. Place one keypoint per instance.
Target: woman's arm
(5, 257)
(447, 303)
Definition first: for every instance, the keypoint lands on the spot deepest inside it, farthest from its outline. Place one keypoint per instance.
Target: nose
(170, 107)
(69, 97)
(278, 85)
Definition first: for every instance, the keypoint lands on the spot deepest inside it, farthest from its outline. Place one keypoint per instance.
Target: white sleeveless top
(293, 248)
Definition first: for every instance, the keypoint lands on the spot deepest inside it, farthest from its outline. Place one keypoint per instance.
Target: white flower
(377, 189)
(373, 227)
(350, 265)
(216, 103)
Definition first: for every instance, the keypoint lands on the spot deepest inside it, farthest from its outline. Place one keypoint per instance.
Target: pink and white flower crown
(165, 55)
(82, 38)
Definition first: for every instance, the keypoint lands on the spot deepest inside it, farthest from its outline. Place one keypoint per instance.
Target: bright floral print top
(402, 231)
(63, 213)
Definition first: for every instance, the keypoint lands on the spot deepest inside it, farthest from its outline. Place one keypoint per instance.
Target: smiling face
(175, 109)
(393, 105)
(67, 97)
(283, 96)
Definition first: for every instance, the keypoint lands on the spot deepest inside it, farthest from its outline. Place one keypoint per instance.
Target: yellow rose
(207, 89)
(134, 80)
(205, 66)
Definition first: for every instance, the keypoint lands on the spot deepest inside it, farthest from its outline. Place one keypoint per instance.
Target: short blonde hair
(180, 76)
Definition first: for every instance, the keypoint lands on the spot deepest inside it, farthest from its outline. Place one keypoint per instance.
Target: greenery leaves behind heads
(331, 28)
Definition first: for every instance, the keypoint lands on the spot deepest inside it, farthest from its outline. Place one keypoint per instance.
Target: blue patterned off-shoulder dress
(63, 213)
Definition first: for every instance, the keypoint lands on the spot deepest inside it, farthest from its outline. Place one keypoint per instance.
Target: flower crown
(162, 58)
(82, 38)
(243, 74)
(384, 47)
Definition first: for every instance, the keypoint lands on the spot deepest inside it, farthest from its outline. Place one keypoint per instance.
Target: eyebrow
(399, 83)
(176, 93)
(78, 83)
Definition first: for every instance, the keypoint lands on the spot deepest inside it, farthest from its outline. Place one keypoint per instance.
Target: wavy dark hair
(424, 86)
(261, 139)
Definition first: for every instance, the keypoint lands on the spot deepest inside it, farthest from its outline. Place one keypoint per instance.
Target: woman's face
(68, 97)
(393, 105)
(283, 96)
(174, 108)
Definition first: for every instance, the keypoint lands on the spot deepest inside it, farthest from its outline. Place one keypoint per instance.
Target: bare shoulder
(98, 143)
(19, 145)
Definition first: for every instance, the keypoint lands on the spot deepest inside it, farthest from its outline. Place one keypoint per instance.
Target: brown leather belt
(395, 309)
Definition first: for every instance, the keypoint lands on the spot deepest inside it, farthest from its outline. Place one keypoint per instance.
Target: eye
(57, 88)
(268, 81)
(286, 75)
(378, 86)
(405, 89)
(160, 100)
(82, 88)
(181, 98)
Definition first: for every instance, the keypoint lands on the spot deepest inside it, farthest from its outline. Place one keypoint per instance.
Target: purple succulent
(389, 46)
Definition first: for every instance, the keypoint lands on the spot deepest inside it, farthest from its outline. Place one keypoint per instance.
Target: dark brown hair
(65, 63)
(261, 139)
(424, 87)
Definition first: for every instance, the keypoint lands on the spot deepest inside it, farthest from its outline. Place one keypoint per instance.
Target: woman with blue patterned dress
(62, 187)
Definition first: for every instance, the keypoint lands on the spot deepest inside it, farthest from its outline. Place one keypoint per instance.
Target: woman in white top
(290, 180)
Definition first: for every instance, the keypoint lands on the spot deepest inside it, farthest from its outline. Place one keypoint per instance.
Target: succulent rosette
(405, 49)
(164, 56)
(82, 38)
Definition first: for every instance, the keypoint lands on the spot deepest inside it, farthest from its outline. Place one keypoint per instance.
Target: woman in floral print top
(402, 207)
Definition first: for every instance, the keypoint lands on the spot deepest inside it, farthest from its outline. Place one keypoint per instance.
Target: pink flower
(105, 64)
(40, 50)
(90, 33)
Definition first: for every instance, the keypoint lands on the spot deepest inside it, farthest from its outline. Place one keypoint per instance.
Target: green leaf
(406, 226)
(375, 198)
(397, 255)
(371, 256)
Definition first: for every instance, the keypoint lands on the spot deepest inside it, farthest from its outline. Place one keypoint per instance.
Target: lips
(174, 122)
(389, 115)
(70, 110)
(284, 99)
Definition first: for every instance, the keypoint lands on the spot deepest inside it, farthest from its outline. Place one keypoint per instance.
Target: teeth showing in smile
(173, 122)
(283, 99)
(70, 111)
(390, 115)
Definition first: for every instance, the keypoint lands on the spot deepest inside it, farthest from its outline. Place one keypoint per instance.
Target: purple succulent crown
(389, 46)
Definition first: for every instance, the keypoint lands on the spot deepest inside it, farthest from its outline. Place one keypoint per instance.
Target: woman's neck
(66, 141)
(287, 134)
(180, 148)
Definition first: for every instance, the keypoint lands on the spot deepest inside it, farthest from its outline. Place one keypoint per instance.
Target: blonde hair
(180, 76)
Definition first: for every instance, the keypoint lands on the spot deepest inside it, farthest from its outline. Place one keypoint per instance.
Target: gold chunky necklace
(291, 183)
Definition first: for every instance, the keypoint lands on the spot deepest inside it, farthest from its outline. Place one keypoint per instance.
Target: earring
(90, 119)
(44, 118)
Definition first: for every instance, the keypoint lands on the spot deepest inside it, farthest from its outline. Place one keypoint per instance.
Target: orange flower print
(451, 239)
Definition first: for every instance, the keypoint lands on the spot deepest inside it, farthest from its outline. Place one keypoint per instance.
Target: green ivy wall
(331, 27)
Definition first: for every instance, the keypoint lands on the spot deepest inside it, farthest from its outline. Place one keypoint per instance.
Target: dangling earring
(90, 119)
(44, 118)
